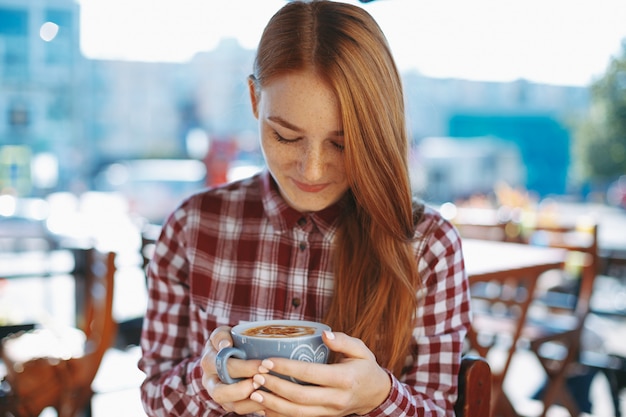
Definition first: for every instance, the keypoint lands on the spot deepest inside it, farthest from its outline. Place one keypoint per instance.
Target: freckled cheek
(279, 156)
(339, 163)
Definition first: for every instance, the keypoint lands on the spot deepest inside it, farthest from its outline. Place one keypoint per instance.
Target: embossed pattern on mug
(307, 354)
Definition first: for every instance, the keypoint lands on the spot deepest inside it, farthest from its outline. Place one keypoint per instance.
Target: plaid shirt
(240, 253)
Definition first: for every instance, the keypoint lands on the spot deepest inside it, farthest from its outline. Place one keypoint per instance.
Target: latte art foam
(279, 330)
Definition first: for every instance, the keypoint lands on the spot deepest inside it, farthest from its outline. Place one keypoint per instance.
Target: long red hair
(376, 277)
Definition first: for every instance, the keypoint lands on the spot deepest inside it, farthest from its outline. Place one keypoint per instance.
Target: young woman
(329, 232)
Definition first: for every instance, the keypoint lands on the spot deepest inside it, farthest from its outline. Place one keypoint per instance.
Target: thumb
(350, 347)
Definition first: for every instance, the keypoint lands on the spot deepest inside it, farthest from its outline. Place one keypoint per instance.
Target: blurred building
(41, 69)
(452, 169)
(63, 117)
(135, 110)
(433, 102)
(153, 110)
(536, 119)
(147, 110)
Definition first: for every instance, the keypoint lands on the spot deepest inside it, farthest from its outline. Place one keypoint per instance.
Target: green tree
(601, 135)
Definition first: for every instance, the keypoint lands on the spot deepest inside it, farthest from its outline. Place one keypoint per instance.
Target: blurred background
(525, 93)
(112, 111)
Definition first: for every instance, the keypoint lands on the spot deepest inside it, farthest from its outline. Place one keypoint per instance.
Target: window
(13, 22)
(14, 36)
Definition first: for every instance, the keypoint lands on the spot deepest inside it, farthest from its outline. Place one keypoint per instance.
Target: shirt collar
(283, 217)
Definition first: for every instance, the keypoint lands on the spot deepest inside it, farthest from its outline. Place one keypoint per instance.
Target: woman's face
(302, 139)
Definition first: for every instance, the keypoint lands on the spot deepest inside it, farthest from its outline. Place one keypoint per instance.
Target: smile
(310, 188)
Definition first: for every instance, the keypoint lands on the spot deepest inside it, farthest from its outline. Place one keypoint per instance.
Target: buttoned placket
(298, 281)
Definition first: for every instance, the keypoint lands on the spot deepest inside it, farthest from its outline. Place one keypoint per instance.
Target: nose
(312, 163)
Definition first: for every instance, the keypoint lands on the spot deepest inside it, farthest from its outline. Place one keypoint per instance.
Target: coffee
(279, 330)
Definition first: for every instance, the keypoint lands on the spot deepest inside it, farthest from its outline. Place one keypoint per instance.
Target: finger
(322, 374)
(351, 347)
(308, 395)
(217, 338)
(245, 407)
(308, 372)
(221, 338)
(233, 397)
(275, 405)
(240, 368)
(353, 386)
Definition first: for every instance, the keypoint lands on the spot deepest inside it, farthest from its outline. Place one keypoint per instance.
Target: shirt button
(296, 302)
(302, 221)
(302, 245)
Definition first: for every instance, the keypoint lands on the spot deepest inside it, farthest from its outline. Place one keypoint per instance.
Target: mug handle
(220, 363)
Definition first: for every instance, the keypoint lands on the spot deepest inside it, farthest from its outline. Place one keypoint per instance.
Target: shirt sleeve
(429, 386)
(173, 384)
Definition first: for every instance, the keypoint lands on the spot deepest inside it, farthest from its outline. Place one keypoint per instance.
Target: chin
(303, 206)
(307, 208)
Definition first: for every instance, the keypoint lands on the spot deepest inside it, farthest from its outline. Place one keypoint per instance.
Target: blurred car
(153, 187)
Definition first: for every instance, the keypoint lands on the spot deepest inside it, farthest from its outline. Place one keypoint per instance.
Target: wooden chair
(612, 277)
(553, 333)
(474, 388)
(54, 367)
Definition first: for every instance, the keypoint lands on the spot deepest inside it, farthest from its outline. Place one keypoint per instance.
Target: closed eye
(339, 146)
(282, 139)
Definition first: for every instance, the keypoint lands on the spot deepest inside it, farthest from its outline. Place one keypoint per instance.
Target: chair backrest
(97, 320)
(474, 398)
(65, 379)
(582, 244)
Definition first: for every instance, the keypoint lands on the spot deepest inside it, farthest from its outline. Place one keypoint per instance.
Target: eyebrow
(279, 120)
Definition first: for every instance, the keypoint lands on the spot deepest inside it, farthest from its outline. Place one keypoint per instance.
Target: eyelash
(339, 147)
(281, 139)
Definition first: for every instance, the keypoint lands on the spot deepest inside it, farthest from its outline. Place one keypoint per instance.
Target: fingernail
(329, 335)
(255, 385)
(223, 343)
(267, 364)
(255, 396)
(259, 380)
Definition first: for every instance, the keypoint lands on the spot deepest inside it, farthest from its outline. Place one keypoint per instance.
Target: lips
(310, 188)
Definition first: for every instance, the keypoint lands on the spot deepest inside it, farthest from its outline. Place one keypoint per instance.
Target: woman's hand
(233, 397)
(357, 384)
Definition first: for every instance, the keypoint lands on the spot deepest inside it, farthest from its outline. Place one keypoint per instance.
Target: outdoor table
(516, 267)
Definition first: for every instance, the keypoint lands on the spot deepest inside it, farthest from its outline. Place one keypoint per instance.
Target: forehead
(296, 83)
(300, 97)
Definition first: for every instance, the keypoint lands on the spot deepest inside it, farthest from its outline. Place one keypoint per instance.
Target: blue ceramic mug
(292, 339)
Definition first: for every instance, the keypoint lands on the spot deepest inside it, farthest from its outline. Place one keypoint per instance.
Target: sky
(563, 42)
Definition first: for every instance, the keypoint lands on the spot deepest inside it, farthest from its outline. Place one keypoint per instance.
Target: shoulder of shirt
(240, 191)
(429, 216)
(431, 222)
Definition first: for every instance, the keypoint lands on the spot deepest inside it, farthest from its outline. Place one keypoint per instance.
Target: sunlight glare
(567, 42)
(48, 31)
